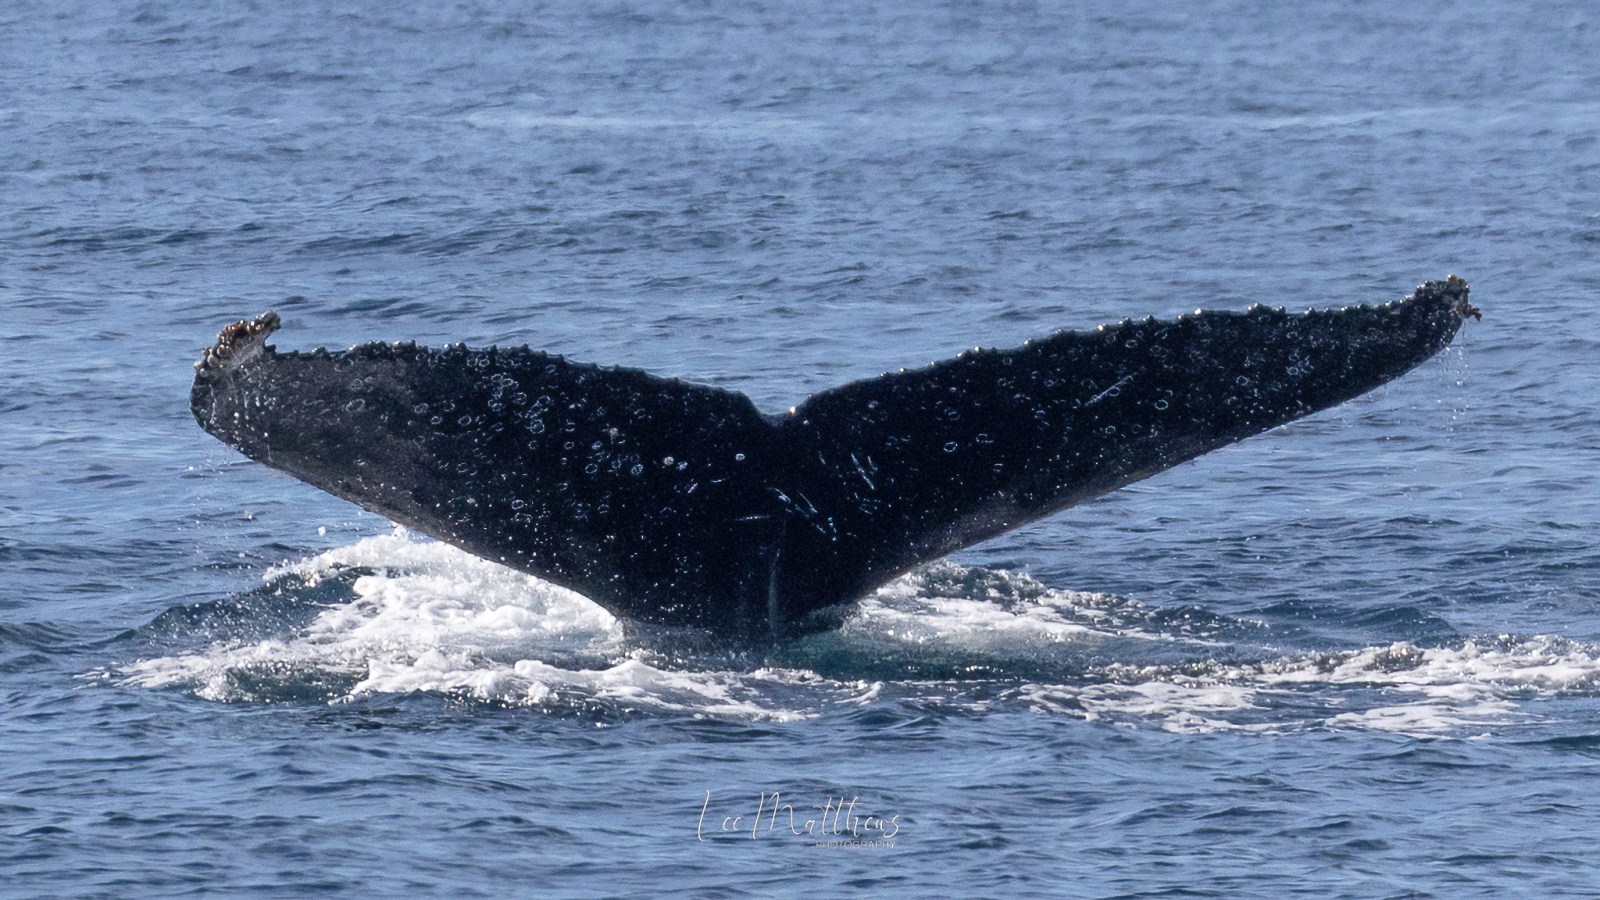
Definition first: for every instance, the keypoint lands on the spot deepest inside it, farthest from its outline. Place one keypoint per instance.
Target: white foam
(1002, 615)
(431, 619)
(434, 619)
(1413, 690)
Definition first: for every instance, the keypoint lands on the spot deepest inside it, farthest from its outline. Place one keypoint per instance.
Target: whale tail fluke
(682, 504)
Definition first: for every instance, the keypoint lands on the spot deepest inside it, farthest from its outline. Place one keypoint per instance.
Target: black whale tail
(682, 504)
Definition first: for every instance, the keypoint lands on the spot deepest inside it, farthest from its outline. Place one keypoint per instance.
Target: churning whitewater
(418, 616)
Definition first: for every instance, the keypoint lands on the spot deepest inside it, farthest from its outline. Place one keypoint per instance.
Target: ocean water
(1356, 656)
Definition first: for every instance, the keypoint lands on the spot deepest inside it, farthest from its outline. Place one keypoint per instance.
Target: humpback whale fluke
(682, 504)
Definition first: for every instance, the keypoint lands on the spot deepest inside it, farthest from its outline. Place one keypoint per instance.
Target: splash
(1398, 687)
(422, 618)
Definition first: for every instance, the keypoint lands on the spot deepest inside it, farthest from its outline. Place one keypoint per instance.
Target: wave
(397, 615)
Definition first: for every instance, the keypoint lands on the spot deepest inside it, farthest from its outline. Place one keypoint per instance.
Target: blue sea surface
(1356, 656)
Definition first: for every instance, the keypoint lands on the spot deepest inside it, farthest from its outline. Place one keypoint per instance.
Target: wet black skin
(681, 504)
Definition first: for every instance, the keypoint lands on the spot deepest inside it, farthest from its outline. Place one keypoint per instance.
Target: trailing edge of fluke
(682, 504)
